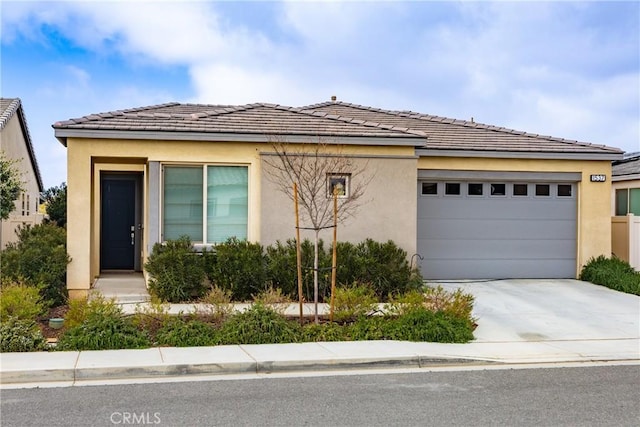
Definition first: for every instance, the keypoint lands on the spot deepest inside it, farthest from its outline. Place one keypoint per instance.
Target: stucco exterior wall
(14, 146)
(387, 212)
(593, 222)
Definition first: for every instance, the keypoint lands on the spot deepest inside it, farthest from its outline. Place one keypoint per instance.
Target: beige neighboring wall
(594, 210)
(14, 146)
(388, 211)
(87, 157)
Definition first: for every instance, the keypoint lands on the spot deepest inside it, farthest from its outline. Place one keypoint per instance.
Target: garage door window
(498, 189)
(429, 188)
(452, 189)
(564, 190)
(474, 189)
(520, 189)
(543, 190)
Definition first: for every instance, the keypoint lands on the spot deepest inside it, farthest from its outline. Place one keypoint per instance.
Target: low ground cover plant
(613, 273)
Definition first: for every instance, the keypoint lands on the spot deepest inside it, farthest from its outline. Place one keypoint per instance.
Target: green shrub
(20, 301)
(179, 332)
(20, 335)
(613, 273)
(283, 271)
(39, 257)
(237, 265)
(259, 325)
(176, 272)
(103, 332)
(369, 328)
(353, 302)
(383, 265)
(326, 332)
(425, 325)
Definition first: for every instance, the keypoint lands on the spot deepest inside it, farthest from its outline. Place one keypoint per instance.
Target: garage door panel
(490, 228)
(475, 237)
(498, 249)
(486, 269)
(433, 208)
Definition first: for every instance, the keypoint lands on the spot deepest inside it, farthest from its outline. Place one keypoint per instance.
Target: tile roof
(260, 119)
(451, 134)
(630, 165)
(329, 119)
(8, 108)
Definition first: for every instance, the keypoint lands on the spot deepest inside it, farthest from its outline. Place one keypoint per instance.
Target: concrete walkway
(520, 322)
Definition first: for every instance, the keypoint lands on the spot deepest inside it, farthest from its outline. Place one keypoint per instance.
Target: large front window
(207, 203)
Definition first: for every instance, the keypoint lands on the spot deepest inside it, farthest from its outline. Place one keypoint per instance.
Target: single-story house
(464, 199)
(625, 209)
(16, 145)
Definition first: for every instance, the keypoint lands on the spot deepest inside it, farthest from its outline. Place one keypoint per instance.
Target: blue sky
(567, 69)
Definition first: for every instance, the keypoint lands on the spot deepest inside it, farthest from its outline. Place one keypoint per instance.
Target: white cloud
(551, 67)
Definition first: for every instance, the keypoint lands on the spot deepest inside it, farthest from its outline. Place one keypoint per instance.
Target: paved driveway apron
(550, 310)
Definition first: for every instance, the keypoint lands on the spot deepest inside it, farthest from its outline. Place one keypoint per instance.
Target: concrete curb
(145, 364)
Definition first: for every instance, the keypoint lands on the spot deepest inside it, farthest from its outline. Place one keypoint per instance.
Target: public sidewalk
(69, 368)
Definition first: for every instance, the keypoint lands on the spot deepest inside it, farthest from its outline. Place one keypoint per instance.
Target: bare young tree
(318, 169)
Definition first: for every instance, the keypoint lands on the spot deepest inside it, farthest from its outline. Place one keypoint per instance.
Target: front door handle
(133, 235)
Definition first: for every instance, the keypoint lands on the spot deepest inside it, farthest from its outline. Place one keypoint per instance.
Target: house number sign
(598, 178)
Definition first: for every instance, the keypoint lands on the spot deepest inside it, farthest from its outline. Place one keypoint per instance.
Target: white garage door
(494, 228)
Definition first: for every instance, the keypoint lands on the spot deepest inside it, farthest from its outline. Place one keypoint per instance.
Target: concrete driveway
(550, 310)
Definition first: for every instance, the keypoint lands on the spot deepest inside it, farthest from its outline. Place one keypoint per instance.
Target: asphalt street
(578, 396)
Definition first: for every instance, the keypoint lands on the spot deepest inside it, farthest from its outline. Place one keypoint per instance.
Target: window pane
(429, 188)
(227, 203)
(634, 201)
(520, 189)
(475, 189)
(452, 188)
(621, 202)
(542, 190)
(498, 189)
(182, 200)
(564, 190)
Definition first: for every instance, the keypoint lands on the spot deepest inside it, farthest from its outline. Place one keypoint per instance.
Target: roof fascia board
(519, 154)
(409, 141)
(630, 177)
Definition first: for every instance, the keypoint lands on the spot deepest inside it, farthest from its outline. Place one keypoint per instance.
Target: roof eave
(540, 155)
(409, 141)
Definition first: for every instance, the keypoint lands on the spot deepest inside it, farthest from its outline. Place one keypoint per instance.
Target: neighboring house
(625, 209)
(15, 143)
(470, 200)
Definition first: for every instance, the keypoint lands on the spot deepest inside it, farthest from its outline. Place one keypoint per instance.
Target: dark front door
(119, 225)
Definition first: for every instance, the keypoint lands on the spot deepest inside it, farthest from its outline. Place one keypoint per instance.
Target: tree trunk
(315, 276)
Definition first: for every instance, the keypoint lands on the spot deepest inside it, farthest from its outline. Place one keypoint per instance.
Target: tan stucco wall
(387, 212)
(14, 146)
(83, 204)
(594, 224)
